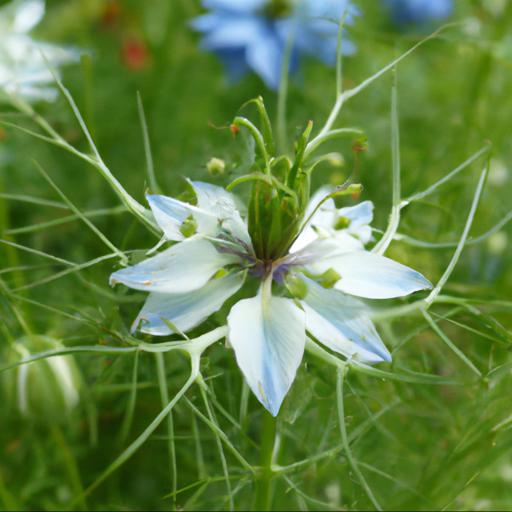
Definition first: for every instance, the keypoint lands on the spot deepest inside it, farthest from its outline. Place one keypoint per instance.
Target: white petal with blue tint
(170, 214)
(268, 336)
(369, 275)
(343, 324)
(360, 216)
(323, 218)
(184, 267)
(186, 310)
(321, 254)
(223, 205)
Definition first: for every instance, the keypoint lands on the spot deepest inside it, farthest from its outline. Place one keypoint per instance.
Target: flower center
(278, 8)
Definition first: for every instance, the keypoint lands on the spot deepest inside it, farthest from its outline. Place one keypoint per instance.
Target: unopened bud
(216, 167)
(46, 390)
(497, 243)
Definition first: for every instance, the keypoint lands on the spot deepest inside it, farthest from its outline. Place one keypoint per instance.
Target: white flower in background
(23, 69)
(310, 287)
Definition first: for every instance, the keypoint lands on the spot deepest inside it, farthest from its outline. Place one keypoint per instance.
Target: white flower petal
(324, 218)
(360, 216)
(223, 205)
(320, 255)
(27, 14)
(369, 275)
(343, 324)
(267, 334)
(345, 242)
(170, 214)
(184, 267)
(186, 310)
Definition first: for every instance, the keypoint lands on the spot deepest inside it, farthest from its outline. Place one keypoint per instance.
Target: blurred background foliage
(420, 446)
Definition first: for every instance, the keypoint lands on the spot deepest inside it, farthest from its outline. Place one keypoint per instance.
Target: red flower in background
(135, 54)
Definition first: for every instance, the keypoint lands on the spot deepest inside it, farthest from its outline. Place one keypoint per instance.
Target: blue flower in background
(253, 34)
(418, 12)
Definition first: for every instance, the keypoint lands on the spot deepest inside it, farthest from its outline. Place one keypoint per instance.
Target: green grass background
(419, 446)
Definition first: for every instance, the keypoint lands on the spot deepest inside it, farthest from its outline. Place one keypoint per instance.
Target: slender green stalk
(339, 55)
(150, 168)
(345, 441)
(342, 98)
(450, 344)
(282, 96)
(263, 496)
(213, 419)
(428, 191)
(70, 464)
(80, 215)
(444, 278)
(394, 219)
(129, 452)
(130, 408)
(164, 395)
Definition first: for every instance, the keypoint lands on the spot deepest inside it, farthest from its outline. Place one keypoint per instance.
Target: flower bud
(46, 389)
(216, 167)
(497, 243)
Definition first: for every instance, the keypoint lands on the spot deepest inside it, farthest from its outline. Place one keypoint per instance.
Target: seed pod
(47, 389)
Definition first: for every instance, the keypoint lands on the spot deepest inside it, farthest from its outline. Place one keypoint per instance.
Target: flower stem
(263, 495)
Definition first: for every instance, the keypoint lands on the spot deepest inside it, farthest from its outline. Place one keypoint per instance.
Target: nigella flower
(419, 12)
(23, 69)
(310, 280)
(253, 34)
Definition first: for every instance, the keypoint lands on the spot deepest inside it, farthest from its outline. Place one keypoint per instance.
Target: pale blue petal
(234, 32)
(369, 275)
(234, 62)
(237, 6)
(207, 22)
(184, 267)
(419, 11)
(343, 324)
(265, 57)
(186, 310)
(329, 9)
(268, 337)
